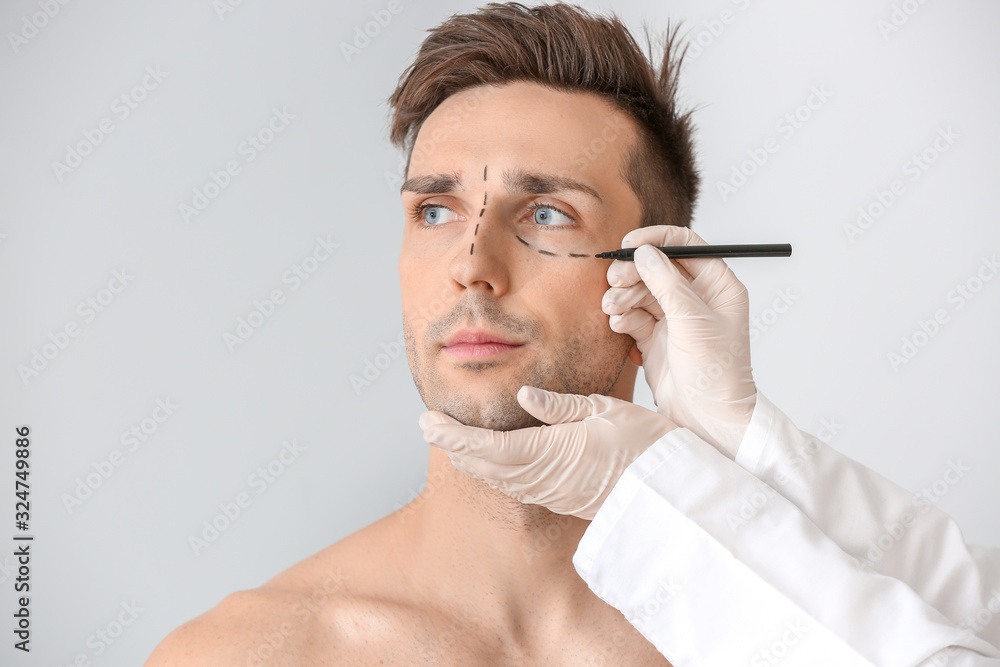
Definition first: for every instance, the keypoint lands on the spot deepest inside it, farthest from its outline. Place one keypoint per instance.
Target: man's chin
(498, 412)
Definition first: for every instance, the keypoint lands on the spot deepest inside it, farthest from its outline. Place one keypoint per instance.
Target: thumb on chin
(432, 417)
(552, 407)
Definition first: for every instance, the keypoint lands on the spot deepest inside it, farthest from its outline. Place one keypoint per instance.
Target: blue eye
(433, 214)
(543, 215)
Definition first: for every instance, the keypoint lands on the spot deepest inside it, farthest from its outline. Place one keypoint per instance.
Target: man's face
(501, 244)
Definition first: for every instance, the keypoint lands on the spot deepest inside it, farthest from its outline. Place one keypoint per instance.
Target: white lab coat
(794, 554)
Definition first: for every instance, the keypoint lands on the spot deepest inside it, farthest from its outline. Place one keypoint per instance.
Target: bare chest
(391, 637)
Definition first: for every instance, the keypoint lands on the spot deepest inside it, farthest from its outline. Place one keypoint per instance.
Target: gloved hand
(569, 467)
(692, 327)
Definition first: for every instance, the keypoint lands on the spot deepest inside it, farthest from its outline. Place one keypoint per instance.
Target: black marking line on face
(476, 231)
(484, 204)
(546, 252)
(471, 247)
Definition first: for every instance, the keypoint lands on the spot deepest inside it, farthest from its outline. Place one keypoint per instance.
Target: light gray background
(331, 172)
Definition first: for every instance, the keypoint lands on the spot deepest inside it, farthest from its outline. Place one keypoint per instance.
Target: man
(540, 136)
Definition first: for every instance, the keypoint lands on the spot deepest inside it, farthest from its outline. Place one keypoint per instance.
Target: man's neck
(498, 558)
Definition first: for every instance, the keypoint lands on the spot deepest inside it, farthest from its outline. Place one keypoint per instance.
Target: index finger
(623, 273)
(516, 447)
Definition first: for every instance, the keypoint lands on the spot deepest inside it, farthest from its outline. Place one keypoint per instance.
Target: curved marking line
(484, 199)
(546, 252)
(484, 172)
(477, 230)
(471, 247)
(481, 212)
(523, 241)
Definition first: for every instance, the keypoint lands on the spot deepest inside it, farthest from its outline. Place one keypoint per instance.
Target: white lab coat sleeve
(887, 528)
(670, 549)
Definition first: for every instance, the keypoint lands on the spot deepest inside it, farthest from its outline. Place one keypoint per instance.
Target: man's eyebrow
(433, 184)
(542, 184)
(515, 181)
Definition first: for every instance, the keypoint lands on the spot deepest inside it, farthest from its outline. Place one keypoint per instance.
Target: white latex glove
(693, 332)
(569, 467)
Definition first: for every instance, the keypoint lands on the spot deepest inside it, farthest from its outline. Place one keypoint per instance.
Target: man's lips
(467, 343)
(477, 337)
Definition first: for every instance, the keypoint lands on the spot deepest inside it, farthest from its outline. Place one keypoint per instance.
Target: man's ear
(635, 355)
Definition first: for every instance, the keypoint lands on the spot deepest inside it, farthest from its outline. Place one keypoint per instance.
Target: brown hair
(564, 47)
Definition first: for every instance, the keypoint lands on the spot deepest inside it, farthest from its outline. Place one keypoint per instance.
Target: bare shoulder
(242, 624)
(303, 615)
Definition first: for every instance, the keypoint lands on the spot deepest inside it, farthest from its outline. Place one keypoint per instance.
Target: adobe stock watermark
(295, 276)
(374, 365)
(88, 309)
(121, 108)
(786, 127)
(914, 167)
(710, 373)
(645, 614)
(104, 637)
(231, 510)
(615, 126)
(926, 330)
(469, 103)
(417, 498)
(248, 150)
(899, 16)
(971, 626)
(768, 317)
(750, 506)
(930, 495)
(791, 635)
(223, 7)
(133, 438)
(711, 30)
(34, 22)
(976, 623)
(363, 35)
(543, 540)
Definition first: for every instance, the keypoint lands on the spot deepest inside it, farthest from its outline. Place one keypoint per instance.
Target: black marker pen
(724, 251)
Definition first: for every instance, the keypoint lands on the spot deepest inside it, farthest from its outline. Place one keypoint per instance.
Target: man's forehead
(526, 121)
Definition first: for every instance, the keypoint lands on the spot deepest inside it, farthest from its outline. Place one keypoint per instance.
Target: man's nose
(483, 251)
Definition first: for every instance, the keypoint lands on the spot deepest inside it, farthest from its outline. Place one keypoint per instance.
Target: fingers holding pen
(664, 292)
(623, 273)
(662, 284)
(678, 297)
(711, 278)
